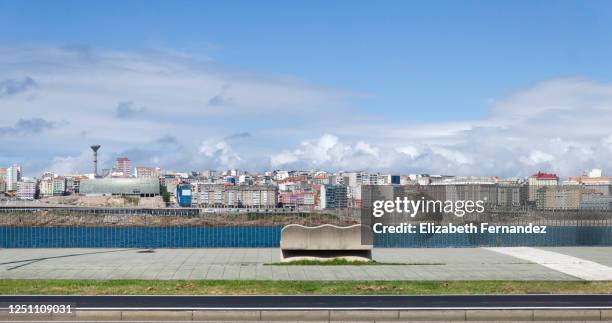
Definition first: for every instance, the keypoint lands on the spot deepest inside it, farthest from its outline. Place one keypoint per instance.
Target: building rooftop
(542, 175)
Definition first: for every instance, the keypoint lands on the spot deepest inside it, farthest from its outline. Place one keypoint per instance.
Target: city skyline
(401, 88)
(122, 166)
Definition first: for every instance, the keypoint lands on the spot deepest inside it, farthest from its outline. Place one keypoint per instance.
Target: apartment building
(26, 190)
(511, 194)
(45, 186)
(210, 195)
(221, 196)
(469, 188)
(123, 166)
(571, 197)
(51, 185)
(251, 196)
(538, 181)
(13, 176)
(146, 172)
(333, 197)
(300, 200)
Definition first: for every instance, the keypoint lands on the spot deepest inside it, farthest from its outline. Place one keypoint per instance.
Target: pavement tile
(242, 263)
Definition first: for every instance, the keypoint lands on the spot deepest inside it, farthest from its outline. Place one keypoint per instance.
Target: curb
(319, 315)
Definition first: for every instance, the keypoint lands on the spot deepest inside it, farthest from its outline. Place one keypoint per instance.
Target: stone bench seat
(323, 242)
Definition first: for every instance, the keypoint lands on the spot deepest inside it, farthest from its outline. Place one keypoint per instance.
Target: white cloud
(366, 148)
(284, 158)
(537, 157)
(453, 156)
(80, 164)
(219, 154)
(410, 151)
(329, 152)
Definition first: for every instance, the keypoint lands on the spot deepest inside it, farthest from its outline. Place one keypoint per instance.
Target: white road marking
(573, 266)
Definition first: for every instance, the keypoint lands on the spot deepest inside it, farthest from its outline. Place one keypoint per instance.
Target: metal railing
(40, 227)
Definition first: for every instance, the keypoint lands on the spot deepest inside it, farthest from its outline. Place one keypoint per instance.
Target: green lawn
(252, 287)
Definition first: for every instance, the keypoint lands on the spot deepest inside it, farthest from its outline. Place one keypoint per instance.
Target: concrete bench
(323, 242)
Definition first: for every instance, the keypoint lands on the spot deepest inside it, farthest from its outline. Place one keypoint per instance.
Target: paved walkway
(574, 266)
(421, 264)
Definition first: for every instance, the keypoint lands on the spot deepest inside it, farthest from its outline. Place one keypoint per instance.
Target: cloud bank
(187, 113)
(27, 126)
(559, 125)
(14, 86)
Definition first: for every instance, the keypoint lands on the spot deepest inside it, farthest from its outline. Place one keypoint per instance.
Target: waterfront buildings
(333, 196)
(73, 183)
(590, 191)
(594, 180)
(229, 196)
(596, 202)
(251, 196)
(146, 172)
(538, 181)
(52, 185)
(393, 179)
(300, 200)
(209, 195)
(3, 179)
(144, 187)
(26, 189)
(511, 194)
(123, 167)
(280, 175)
(208, 174)
(465, 188)
(13, 176)
(559, 197)
(317, 189)
(184, 195)
(45, 186)
(593, 176)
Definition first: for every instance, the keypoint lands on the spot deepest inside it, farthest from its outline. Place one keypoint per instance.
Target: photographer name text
(430, 227)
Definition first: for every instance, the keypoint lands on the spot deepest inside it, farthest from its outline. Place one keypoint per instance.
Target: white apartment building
(281, 175)
(46, 186)
(146, 172)
(246, 179)
(26, 190)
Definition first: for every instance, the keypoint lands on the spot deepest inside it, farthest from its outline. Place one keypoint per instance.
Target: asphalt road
(320, 302)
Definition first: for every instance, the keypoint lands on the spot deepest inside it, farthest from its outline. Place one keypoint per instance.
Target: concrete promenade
(420, 264)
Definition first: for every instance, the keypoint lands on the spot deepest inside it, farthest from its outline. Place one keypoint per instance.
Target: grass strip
(266, 287)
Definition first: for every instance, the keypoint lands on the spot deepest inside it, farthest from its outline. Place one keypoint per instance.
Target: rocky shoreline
(48, 218)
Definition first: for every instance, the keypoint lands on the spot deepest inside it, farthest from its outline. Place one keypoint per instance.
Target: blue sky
(400, 63)
(396, 51)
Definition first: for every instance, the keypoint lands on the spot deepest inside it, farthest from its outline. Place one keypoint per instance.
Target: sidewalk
(423, 264)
